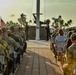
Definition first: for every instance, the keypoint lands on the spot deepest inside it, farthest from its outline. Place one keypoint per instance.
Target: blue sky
(49, 8)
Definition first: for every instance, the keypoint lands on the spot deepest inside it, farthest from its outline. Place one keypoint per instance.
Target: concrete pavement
(38, 60)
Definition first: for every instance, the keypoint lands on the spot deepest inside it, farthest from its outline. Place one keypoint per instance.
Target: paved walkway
(38, 60)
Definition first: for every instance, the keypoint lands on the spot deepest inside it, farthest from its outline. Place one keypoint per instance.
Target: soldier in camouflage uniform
(9, 40)
(7, 49)
(14, 35)
(2, 58)
(18, 39)
(13, 47)
(71, 57)
(21, 35)
(21, 32)
(4, 43)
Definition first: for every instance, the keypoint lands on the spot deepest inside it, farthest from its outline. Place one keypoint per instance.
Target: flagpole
(38, 20)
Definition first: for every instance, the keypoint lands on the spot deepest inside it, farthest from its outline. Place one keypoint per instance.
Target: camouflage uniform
(71, 60)
(21, 33)
(24, 38)
(11, 42)
(2, 58)
(19, 41)
(2, 54)
(5, 45)
(20, 38)
(14, 35)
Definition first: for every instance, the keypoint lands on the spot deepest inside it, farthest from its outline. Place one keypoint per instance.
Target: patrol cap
(12, 28)
(73, 37)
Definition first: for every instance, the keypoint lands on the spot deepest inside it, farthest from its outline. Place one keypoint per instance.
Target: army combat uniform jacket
(71, 60)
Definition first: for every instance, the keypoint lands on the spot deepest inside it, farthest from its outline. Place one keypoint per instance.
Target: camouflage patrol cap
(12, 28)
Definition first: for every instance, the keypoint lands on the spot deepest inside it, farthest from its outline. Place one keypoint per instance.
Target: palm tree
(59, 22)
(68, 23)
(55, 23)
(22, 19)
(7, 23)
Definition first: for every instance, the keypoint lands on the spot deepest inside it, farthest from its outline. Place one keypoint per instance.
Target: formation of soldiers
(65, 50)
(12, 46)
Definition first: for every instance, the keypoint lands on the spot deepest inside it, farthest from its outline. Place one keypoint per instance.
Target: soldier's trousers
(69, 70)
(9, 68)
(25, 46)
(18, 59)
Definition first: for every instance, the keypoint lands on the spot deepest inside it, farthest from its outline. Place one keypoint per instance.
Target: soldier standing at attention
(71, 57)
(2, 58)
(7, 50)
(21, 32)
(4, 43)
(26, 30)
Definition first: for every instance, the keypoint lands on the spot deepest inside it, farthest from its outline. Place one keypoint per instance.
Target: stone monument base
(32, 33)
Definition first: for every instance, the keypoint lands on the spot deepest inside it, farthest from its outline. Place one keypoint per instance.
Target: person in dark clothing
(26, 30)
(47, 32)
(69, 40)
(74, 31)
(47, 22)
